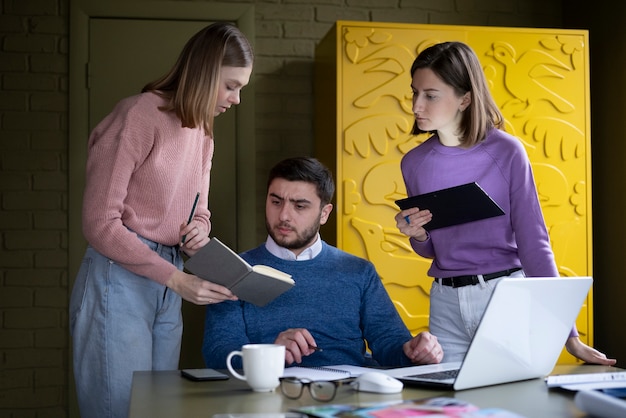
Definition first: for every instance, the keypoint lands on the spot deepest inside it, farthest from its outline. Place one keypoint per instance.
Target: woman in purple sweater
(451, 100)
(147, 160)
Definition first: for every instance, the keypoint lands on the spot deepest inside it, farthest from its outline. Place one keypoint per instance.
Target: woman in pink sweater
(146, 162)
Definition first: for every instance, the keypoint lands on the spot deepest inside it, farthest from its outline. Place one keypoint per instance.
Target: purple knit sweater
(499, 164)
(143, 172)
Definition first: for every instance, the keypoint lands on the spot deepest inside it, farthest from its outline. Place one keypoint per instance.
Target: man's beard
(302, 239)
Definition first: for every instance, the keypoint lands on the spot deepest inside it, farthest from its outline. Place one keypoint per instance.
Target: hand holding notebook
(255, 284)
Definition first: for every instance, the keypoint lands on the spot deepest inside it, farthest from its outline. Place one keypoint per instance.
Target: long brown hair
(192, 84)
(457, 65)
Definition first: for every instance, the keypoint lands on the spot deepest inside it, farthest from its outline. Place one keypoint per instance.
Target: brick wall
(33, 211)
(33, 154)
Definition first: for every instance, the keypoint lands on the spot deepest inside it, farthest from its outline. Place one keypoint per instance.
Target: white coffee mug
(263, 364)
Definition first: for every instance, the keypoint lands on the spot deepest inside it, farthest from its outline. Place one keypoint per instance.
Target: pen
(193, 211)
(315, 348)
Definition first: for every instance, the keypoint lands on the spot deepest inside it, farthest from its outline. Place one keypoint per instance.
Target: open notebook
(520, 336)
(335, 372)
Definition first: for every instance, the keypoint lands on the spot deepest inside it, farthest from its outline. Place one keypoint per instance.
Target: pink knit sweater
(143, 173)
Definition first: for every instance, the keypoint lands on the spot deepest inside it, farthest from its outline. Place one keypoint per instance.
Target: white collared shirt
(308, 254)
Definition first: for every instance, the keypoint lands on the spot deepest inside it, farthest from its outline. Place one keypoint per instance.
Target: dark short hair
(457, 65)
(306, 169)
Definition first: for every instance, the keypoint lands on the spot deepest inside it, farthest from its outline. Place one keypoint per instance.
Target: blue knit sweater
(338, 297)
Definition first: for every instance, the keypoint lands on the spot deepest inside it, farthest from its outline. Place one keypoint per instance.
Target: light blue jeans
(120, 322)
(456, 312)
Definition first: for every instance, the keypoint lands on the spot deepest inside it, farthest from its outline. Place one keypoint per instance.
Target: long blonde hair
(192, 84)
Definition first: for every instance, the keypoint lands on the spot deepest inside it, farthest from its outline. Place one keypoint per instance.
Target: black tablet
(455, 205)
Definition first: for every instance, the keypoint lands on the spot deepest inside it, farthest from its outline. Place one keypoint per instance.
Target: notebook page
(325, 373)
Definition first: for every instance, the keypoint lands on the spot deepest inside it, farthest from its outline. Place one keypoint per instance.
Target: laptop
(520, 336)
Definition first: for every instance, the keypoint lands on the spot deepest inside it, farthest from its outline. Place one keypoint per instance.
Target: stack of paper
(587, 381)
(599, 394)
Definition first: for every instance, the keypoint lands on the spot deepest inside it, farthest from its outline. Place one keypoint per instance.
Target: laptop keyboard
(446, 374)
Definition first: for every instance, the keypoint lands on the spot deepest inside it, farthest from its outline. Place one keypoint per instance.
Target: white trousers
(456, 312)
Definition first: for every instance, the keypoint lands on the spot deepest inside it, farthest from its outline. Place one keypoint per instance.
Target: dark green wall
(605, 20)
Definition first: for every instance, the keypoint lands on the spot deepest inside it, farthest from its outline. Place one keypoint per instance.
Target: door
(125, 54)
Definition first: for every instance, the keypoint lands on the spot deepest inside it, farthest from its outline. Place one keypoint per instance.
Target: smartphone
(201, 375)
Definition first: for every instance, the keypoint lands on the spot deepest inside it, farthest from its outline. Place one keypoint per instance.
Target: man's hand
(587, 354)
(195, 290)
(298, 343)
(423, 349)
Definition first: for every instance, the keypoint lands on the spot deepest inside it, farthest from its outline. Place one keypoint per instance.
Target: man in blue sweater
(338, 302)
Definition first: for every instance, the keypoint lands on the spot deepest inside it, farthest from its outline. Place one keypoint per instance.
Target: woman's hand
(193, 237)
(411, 223)
(587, 354)
(197, 291)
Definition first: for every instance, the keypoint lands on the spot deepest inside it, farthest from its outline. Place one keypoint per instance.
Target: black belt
(460, 281)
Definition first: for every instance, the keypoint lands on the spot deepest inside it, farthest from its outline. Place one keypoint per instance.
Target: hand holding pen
(298, 343)
(195, 233)
(193, 211)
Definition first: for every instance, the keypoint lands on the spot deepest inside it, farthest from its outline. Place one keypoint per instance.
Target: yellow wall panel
(540, 80)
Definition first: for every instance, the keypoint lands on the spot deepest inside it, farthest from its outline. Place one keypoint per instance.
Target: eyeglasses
(320, 390)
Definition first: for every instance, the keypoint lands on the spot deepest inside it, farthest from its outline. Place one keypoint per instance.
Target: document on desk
(337, 372)
(587, 381)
